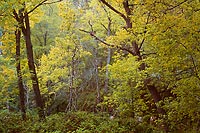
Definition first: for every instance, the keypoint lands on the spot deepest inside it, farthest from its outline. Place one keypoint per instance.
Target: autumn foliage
(137, 61)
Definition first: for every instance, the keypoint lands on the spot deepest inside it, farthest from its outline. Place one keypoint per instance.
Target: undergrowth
(72, 122)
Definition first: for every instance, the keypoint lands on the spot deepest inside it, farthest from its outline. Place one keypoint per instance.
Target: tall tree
(135, 47)
(23, 20)
(156, 34)
(19, 75)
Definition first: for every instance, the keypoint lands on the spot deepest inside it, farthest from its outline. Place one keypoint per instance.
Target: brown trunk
(19, 76)
(152, 89)
(136, 50)
(38, 98)
(156, 97)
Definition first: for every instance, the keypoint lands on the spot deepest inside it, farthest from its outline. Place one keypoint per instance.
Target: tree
(60, 73)
(19, 74)
(23, 20)
(46, 30)
(19, 11)
(132, 46)
(139, 59)
(135, 48)
(152, 29)
(175, 47)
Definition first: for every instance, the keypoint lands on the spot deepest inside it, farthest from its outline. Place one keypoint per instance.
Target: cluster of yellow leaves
(7, 79)
(170, 30)
(68, 14)
(127, 81)
(9, 25)
(56, 66)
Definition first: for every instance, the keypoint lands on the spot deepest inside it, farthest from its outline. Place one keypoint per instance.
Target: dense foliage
(100, 66)
(77, 122)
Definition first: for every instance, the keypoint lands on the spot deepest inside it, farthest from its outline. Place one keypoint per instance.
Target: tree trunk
(108, 58)
(136, 50)
(19, 76)
(152, 89)
(107, 71)
(38, 98)
(97, 76)
(156, 97)
(72, 104)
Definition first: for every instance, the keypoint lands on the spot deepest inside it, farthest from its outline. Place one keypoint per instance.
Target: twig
(145, 28)
(41, 3)
(168, 9)
(35, 7)
(112, 8)
(107, 44)
(53, 2)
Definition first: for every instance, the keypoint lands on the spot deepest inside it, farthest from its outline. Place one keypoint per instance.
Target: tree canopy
(137, 61)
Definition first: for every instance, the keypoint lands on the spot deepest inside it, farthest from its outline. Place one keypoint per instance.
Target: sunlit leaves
(166, 32)
(57, 65)
(8, 81)
(127, 83)
(68, 14)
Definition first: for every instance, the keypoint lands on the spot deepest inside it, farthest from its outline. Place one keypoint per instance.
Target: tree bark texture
(19, 75)
(23, 21)
(29, 50)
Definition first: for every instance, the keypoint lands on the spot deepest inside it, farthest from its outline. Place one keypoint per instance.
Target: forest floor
(72, 122)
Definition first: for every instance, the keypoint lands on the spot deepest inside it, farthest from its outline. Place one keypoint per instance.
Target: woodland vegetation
(87, 66)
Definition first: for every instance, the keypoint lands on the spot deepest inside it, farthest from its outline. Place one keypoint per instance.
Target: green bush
(71, 122)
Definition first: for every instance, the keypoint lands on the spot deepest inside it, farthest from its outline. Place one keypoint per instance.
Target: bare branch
(104, 27)
(113, 9)
(35, 7)
(16, 15)
(41, 3)
(89, 22)
(107, 44)
(141, 43)
(145, 28)
(53, 2)
(108, 16)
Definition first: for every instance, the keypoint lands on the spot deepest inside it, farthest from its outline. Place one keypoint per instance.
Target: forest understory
(100, 66)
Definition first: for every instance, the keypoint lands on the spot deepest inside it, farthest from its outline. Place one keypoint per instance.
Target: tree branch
(53, 2)
(195, 67)
(35, 7)
(168, 9)
(19, 20)
(104, 27)
(126, 7)
(107, 44)
(145, 30)
(16, 15)
(41, 3)
(109, 19)
(113, 9)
